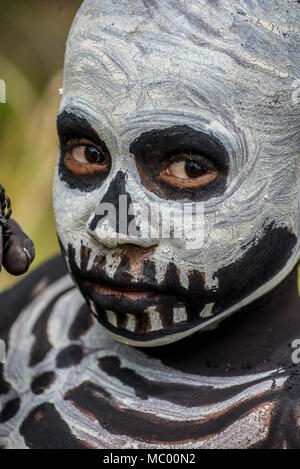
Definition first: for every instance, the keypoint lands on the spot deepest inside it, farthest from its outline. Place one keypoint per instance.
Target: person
(167, 109)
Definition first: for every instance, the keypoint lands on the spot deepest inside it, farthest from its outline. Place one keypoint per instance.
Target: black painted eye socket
(85, 161)
(179, 163)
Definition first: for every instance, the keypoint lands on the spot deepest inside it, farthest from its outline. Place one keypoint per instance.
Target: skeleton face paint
(186, 104)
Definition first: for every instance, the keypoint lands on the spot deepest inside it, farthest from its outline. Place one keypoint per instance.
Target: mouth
(139, 314)
(132, 298)
(142, 312)
(107, 290)
(123, 289)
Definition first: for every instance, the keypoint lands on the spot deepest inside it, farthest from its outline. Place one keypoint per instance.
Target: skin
(68, 384)
(143, 93)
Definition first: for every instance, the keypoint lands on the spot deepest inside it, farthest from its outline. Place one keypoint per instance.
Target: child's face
(173, 109)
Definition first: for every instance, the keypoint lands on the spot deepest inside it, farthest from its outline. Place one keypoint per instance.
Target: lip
(105, 289)
(123, 296)
(124, 287)
(131, 312)
(138, 312)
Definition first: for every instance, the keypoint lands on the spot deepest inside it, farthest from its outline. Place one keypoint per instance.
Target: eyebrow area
(70, 125)
(179, 139)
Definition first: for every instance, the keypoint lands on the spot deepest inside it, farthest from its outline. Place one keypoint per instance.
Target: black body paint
(267, 256)
(44, 428)
(10, 410)
(42, 382)
(82, 323)
(116, 188)
(249, 343)
(70, 356)
(182, 395)
(94, 400)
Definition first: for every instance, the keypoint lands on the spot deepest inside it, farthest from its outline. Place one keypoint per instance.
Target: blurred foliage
(32, 39)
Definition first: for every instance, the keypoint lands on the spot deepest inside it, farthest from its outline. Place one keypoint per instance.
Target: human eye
(187, 170)
(84, 158)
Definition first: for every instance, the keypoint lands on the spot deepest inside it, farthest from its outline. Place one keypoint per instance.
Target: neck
(257, 338)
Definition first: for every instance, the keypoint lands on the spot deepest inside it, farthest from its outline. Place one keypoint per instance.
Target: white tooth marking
(211, 283)
(131, 322)
(78, 257)
(111, 317)
(184, 278)
(179, 314)
(155, 320)
(93, 307)
(160, 271)
(112, 263)
(207, 311)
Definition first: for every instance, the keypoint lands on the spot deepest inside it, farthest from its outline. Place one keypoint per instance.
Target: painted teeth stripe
(112, 318)
(155, 320)
(93, 307)
(131, 322)
(179, 314)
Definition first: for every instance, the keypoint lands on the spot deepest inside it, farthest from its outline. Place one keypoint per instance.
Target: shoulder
(14, 300)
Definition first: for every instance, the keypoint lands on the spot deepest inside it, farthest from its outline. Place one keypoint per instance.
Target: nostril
(137, 241)
(136, 250)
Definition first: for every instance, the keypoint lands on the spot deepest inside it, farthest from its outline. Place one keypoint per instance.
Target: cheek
(264, 259)
(232, 272)
(72, 209)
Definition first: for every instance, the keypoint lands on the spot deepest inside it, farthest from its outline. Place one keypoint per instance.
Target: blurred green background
(32, 39)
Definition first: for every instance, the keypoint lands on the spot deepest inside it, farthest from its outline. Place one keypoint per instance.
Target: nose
(117, 221)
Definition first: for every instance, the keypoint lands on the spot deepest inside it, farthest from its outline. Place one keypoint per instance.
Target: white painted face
(186, 103)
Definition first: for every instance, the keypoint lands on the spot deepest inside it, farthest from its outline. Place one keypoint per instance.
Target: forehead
(128, 62)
